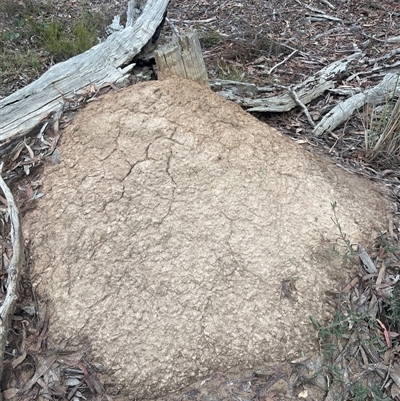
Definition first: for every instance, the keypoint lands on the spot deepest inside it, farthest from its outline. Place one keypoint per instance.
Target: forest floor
(266, 43)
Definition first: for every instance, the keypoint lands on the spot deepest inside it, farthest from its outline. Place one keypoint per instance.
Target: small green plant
(362, 392)
(387, 243)
(359, 392)
(349, 249)
(392, 308)
(32, 39)
(12, 7)
(62, 44)
(210, 39)
(25, 63)
(340, 344)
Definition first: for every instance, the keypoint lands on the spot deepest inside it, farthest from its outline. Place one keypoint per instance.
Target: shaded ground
(244, 40)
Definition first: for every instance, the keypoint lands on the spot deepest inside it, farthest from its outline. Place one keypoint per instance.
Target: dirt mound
(170, 225)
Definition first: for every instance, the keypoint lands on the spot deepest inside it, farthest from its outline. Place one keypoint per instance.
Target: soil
(172, 224)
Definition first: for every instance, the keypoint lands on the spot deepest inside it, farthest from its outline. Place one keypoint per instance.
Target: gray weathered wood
(310, 89)
(135, 8)
(182, 58)
(344, 110)
(107, 62)
(14, 270)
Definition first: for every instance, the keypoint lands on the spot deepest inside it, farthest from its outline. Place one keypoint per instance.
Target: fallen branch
(14, 269)
(302, 105)
(282, 62)
(306, 91)
(341, 112)
(107, 62)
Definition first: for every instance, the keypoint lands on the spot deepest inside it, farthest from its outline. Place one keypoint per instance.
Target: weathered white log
(135, 8)
(308, 90)
(107, 62)
(182, 57)
(341, 112)
(14, 270)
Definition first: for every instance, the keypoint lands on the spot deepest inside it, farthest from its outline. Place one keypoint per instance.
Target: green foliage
(387, 243)
(210, 39)
(362, 392)
(359, 392)
(32, 38)
(392, 308)
(391, 304)
(334, 338)
(62, 44)
(26, 62)
(349, 249)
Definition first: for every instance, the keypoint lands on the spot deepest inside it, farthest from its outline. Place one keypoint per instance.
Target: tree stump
(182, 58)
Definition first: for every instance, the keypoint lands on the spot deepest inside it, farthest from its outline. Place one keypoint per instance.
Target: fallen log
(344, 110)
(108, 62)
(306, 91)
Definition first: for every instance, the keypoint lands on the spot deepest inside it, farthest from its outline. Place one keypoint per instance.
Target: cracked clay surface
(168, 227)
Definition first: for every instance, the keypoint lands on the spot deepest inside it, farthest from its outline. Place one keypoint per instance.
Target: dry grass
(382, 131)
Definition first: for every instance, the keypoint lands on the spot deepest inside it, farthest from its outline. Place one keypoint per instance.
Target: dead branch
(306, 91)
(14, 269)
(341, 112)
(303, 106)
(387, 56)
(283, 61)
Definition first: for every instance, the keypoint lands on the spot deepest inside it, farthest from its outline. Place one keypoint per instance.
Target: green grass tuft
(61, 43)
(210, 39)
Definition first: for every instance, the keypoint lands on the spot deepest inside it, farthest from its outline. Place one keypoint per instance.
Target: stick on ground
(14, 270)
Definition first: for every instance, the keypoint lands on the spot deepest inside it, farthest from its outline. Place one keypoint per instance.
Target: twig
(297, 100)
(307, 55)
(320, 13)
(194, 21)
(172, 26)
(387, 56)
(283, 61)
(326, 2)
(318, 17)
(302, 105)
